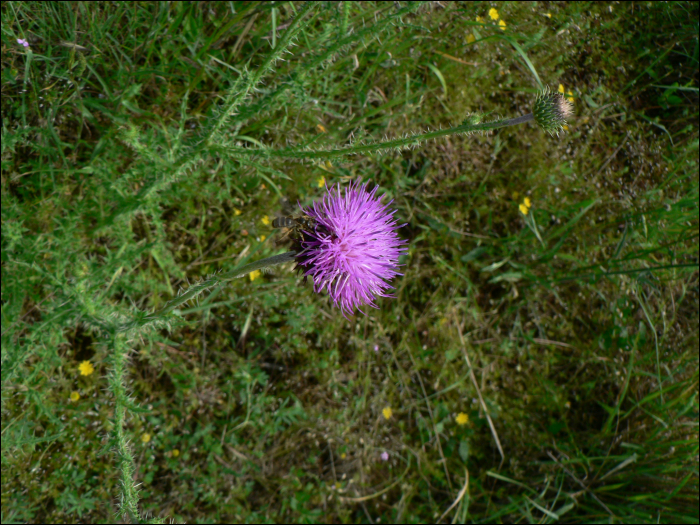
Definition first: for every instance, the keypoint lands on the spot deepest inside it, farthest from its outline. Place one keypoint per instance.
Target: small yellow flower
(502, 25)
(265, 220)
(343, 455)
(262, 238)
(74, 396)
(86, 368)
(565, 127)
(479, 19)
(321, 181)
(568, 94)
(523, 209)
(388, 412)
(254, 275)
(471, 39)
(548, 15)
(146, 437)
(527, 202)
(493, 13)
(321, 128)
(462, 418)
(236, 211)
(176, 452)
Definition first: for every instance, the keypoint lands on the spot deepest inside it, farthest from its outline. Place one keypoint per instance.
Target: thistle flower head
(551, 111)
(353, 249)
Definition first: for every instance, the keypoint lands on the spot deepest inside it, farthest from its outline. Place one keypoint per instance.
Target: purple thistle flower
(354, 249)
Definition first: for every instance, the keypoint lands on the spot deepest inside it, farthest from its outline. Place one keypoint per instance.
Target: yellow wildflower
(321, 181)
(262, 238)
(146, 437)
(523, 209)
(502, 25)
(236, 211)
(74, 396)
(493, 13)
(265, 220)
(471, 39)
(321, 128)
(527, 202)
(254, 275)
(462, 418)
(388, 412)
(548, 15)
(343, 455)
(568, 94)
(86, 368)
(176, 452)
(565, 127)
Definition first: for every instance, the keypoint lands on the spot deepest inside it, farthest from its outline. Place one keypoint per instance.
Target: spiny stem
(117, 381)
(369, 148)
(220, 278)
(252, 81)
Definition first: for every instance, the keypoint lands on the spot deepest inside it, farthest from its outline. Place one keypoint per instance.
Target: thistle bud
(551, 111)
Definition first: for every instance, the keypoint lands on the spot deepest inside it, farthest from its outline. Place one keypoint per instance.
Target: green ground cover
(533, 367)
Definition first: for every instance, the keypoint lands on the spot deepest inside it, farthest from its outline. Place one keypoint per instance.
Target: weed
(539, 360)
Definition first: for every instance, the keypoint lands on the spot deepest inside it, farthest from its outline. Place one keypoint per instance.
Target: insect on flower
(295, 226)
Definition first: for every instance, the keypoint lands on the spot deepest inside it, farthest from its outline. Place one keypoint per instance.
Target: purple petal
(354, 251)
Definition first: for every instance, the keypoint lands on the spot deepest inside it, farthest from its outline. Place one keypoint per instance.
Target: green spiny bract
(551, 111)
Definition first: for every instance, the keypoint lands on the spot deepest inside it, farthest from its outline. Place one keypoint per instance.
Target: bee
(295, 226)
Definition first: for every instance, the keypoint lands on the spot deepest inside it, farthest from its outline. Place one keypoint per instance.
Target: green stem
(296, 26)
(196, 289)
(127, 466)
(519, 120)
(369, 148)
